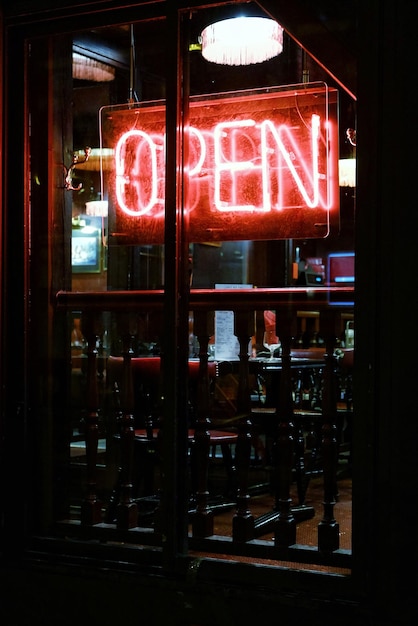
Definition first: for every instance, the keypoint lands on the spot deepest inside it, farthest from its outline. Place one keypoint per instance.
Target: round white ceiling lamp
(242, 41)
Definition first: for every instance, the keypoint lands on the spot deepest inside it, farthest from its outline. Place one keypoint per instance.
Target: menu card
(226, 343)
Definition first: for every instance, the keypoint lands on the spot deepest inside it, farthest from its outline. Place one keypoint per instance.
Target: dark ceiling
(325, 29)
(319, 37)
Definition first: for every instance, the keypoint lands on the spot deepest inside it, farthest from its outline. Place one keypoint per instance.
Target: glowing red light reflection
(261, 166)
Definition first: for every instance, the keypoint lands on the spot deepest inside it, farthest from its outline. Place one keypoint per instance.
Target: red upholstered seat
(149, 368)
(146, 381)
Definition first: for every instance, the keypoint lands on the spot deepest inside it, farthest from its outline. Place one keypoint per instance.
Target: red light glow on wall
(261, 165)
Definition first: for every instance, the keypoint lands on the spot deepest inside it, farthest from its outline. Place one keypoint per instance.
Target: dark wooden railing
(242, 540)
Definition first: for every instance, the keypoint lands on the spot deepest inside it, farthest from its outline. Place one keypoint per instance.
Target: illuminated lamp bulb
(242, 41)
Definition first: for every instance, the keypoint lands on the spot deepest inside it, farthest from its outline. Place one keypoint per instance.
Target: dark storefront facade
(157, 210)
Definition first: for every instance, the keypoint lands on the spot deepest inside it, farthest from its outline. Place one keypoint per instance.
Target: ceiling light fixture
(85, 68)
(242, 41)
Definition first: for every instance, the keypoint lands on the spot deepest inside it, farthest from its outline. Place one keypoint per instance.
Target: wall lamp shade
(99, 159)
(97, 208)
(242, 41)
(347, 172)
(85, 68)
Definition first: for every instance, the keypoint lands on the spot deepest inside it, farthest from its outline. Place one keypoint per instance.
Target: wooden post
(328, 528)
(285, 526)
(127, 509)
(202, 517)
(243, 520)
(91, 507)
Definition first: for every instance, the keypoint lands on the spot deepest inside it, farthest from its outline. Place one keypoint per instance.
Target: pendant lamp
(242, 41)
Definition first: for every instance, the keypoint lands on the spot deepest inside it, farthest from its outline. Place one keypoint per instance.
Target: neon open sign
(260, 165)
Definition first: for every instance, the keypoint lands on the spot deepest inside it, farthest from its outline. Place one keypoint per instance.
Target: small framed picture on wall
(86, 250)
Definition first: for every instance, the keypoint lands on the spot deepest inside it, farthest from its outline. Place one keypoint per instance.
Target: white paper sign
(226, 343)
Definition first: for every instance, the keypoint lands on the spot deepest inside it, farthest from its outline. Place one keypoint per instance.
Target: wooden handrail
(220, 299)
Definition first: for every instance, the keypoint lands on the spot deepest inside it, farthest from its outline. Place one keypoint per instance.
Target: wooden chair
(136, 387)
(307, 417)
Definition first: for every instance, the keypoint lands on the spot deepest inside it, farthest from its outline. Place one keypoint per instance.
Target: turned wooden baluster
(299, 442)
(127, 509)
(306, 399)
(328, 528)
(91, 506)
(110, 515)
(243, 520)
(300, 465)
(202, 517)
(285, 526)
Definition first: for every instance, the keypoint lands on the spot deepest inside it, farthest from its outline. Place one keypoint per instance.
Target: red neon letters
(258, 167)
